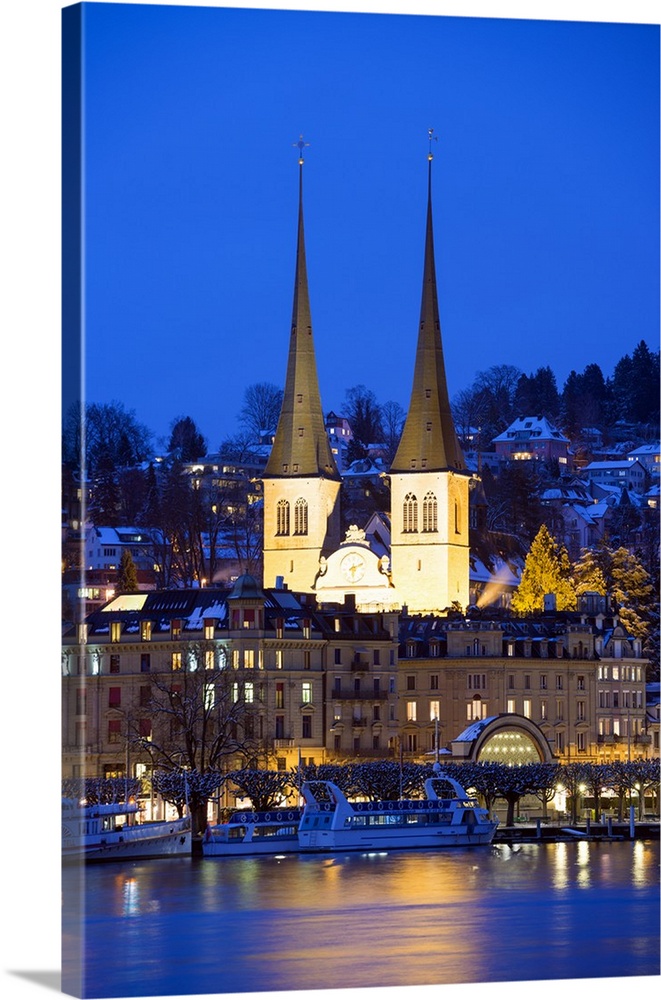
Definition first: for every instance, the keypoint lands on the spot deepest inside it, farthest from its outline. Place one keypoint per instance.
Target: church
(424, 565)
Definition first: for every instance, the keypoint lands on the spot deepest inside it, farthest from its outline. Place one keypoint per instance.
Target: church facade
(426, 568)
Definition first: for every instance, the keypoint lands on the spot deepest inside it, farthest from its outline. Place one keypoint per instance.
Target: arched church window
(301, 517)
(410, 512)
(282, 527)
(430, 513)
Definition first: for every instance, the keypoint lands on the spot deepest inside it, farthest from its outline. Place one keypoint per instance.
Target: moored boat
(245, 833)
(447, 817)
(108, 832)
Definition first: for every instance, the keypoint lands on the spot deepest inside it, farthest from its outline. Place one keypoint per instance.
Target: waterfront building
(576, 680)
(288, 681)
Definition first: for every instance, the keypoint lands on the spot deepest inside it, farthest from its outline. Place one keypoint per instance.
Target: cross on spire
(301, 146)
(430, 133)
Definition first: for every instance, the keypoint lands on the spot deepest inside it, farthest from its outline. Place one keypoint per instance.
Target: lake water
(531, 912)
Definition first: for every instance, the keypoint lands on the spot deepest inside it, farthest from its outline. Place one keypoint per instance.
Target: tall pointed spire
(301, 447)
(429, 440)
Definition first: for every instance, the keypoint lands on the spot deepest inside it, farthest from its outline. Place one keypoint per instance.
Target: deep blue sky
(546, 198)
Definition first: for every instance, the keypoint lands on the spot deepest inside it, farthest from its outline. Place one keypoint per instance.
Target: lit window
(249, 659)
(411, 711)
(434, 710)
(145, 631)
(249, 692)
(115, 631)
(176, 661)
(410, 513)
(282, 527)
(300, 517)
(430, 513)
(306, 692)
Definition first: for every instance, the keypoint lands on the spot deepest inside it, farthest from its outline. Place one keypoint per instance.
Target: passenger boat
(110, 833)
(273, 832)
(446, 817)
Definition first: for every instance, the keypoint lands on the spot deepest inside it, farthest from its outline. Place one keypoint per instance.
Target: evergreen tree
(105, 500)
(588, 575)
(537, 394)
(186, 443)
(645, 368)
(633, 592)
(545, 572)
(127, 574)
(151, 511)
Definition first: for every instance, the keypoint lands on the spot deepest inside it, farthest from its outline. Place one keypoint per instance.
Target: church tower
(301, 480)
(428, 476)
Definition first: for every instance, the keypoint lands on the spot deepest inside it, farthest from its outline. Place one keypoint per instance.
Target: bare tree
(200, 720)
(392, 418)
(261, 409)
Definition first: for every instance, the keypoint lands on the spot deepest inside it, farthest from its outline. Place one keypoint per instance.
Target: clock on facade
(353, 567)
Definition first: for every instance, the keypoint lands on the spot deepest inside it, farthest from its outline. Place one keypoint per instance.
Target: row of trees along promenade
(622, 783)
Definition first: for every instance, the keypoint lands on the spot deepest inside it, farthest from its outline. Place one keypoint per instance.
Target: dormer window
(145, 631)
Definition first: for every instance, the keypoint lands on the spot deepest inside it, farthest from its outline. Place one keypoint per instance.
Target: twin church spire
(428, 440)
(429, 553)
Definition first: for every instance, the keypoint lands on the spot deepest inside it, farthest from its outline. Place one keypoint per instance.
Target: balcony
(359, 723)
(643, 739)
(287, 744)
(359, 665)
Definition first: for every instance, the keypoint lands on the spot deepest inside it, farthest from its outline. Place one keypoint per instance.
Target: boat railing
(281, 815)
(402, 805)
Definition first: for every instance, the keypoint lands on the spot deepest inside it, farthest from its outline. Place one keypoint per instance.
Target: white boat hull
(242, 849)
(146, 840)
(391, 840)
(251, 834)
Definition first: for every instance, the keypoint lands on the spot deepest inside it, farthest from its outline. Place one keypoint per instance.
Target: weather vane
(301, 146)
(431, 135)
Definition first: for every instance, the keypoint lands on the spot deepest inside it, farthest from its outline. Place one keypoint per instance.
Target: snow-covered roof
(502, 573)
(538, 428)
(597, 466)
(127, 602)
(646, 449)
(473, 731)
(123, 536)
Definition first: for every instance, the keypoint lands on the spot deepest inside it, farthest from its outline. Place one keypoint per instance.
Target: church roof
(301, 446)
(429, 441)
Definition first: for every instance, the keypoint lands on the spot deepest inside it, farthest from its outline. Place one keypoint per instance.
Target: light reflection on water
(407, 918)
